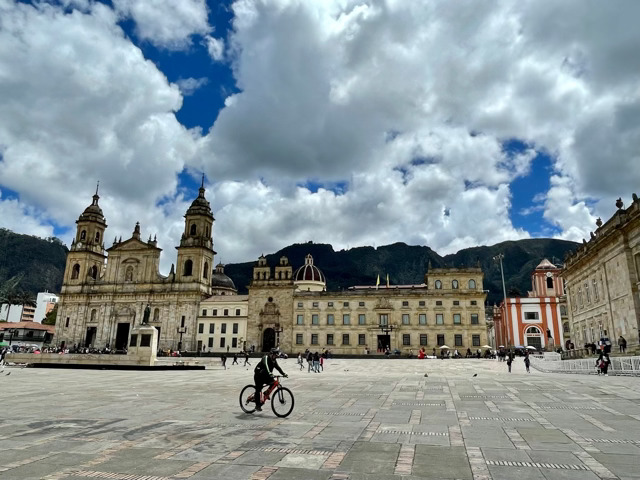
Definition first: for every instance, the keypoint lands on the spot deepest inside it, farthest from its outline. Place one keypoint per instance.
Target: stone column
(143, 345)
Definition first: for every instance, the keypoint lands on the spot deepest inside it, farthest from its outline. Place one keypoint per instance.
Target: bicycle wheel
(282, 402)
(247, 402)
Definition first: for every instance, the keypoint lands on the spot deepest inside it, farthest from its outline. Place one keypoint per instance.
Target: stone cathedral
(105, 291)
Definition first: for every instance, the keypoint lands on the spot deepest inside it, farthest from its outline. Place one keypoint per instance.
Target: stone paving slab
(358, 420)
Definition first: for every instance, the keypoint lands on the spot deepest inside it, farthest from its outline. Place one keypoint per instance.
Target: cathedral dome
(309, 277)
(219, 280)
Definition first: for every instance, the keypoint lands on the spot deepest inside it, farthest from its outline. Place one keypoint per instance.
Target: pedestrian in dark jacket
(603, 363)
(509, 360)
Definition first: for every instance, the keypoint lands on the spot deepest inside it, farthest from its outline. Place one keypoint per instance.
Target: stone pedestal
(143, 345)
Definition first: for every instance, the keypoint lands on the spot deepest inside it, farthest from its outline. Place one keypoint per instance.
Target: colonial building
(103, 297)
(537, 319)
(294, 310)
(603, 280)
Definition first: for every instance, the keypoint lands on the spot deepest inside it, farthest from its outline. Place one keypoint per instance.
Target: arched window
(563, 310)
(128, 276)
(205, 274)
(75, 271)
(565, 327)
(438, 284)
(83, 234)
(454, 284)
(156, 315)
(93, 315)
(188, 268)
(532, 331)
(97, 237)
(93, 272)
(549, 282)
(193, 229)
(206, 232)
(472, 284)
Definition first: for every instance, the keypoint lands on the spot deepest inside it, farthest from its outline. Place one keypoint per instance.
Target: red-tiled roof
(27, 326)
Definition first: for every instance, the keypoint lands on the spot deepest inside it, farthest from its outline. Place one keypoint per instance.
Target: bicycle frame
(265, 394)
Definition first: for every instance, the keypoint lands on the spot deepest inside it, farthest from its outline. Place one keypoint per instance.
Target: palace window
(345, 339)
(438, 303)
(204, 312)
(361, 304)
(457, 319)
(314, 319)
(422, 319)
(406, 339)
(457, 340)
(362, 339)
(237, 312)
(330, 320)
(423, 339)
(222, 342)
(212, 327)
(405, 319)
(472, 284)
(210, 342)
(475, 340)
(223, 328)
(531, 315)
(226, 312)
(474, 319)
(235, 328)
(362, 319)
(405, 303)
(439, 319)
(315, 304)
(314, 339)
(234, 342)
(346, 319)
(454, 284)
(330, 304)
(440, 339)
(438, 284)
(201, 328)
(421, 303)
(384, 319)
(299, 340)
(329, 338)
(586, 291)
(300, 320)
(595, 290)
(456, 303)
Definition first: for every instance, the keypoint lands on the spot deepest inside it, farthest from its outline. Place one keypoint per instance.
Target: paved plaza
(359, 419)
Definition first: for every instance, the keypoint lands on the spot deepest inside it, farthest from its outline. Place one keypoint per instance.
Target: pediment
(132, 244)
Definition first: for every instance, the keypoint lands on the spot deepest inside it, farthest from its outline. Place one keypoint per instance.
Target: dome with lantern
(221, 284)
(309, 278)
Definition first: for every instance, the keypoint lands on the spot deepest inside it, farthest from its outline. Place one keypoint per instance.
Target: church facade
(106, 292)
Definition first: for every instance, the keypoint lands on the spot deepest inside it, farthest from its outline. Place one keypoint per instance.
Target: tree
(9, 293)
(50, 318)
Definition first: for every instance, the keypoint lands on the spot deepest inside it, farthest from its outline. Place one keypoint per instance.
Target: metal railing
(618, 366)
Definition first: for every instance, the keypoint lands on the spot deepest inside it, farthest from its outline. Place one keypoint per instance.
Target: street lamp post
(181, 331)
(279, 329)
(11, 333)
(499, 258)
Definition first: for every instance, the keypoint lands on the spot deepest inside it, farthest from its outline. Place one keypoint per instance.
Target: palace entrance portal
(268, 339)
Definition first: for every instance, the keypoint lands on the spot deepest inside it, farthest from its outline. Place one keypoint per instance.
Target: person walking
(235, 359)
(527, 362)
(316, 362)
(246, 359)
(603, 363)
(509, 360)
(300, 360)
(622, 344)
(309, 361)
(223, 360)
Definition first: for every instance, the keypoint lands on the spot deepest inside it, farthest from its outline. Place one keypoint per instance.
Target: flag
(387, 280)
(378, 281)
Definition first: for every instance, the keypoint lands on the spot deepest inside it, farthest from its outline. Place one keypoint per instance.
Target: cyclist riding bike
(263, 373)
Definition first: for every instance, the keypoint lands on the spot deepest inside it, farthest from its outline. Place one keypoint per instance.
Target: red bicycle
(281, 400)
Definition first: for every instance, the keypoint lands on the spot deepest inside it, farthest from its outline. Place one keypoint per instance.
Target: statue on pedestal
(145, 317)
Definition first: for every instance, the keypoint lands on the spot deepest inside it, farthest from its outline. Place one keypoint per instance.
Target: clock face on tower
(549, 274)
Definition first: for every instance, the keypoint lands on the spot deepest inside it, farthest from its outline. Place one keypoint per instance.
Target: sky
(349, 122)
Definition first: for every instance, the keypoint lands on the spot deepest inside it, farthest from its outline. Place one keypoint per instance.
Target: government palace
(106, 292)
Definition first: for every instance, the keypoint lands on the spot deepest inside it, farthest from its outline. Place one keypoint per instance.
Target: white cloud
(188, 86)
(22, 218)
(393, 112)
(71, 115)
(215, 47)
(166, 23)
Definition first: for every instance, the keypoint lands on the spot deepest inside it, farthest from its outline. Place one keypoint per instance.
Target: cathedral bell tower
(87, 254)
(195, 253)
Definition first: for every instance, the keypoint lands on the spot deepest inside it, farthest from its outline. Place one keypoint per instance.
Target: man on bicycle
(263, 373)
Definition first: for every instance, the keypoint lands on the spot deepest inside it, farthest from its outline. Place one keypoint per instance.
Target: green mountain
(407, 264)
(42, 262)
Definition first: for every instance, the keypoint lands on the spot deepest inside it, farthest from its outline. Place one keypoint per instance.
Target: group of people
(315, 360)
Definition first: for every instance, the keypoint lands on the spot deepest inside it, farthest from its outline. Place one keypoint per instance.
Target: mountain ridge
(43, 260)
